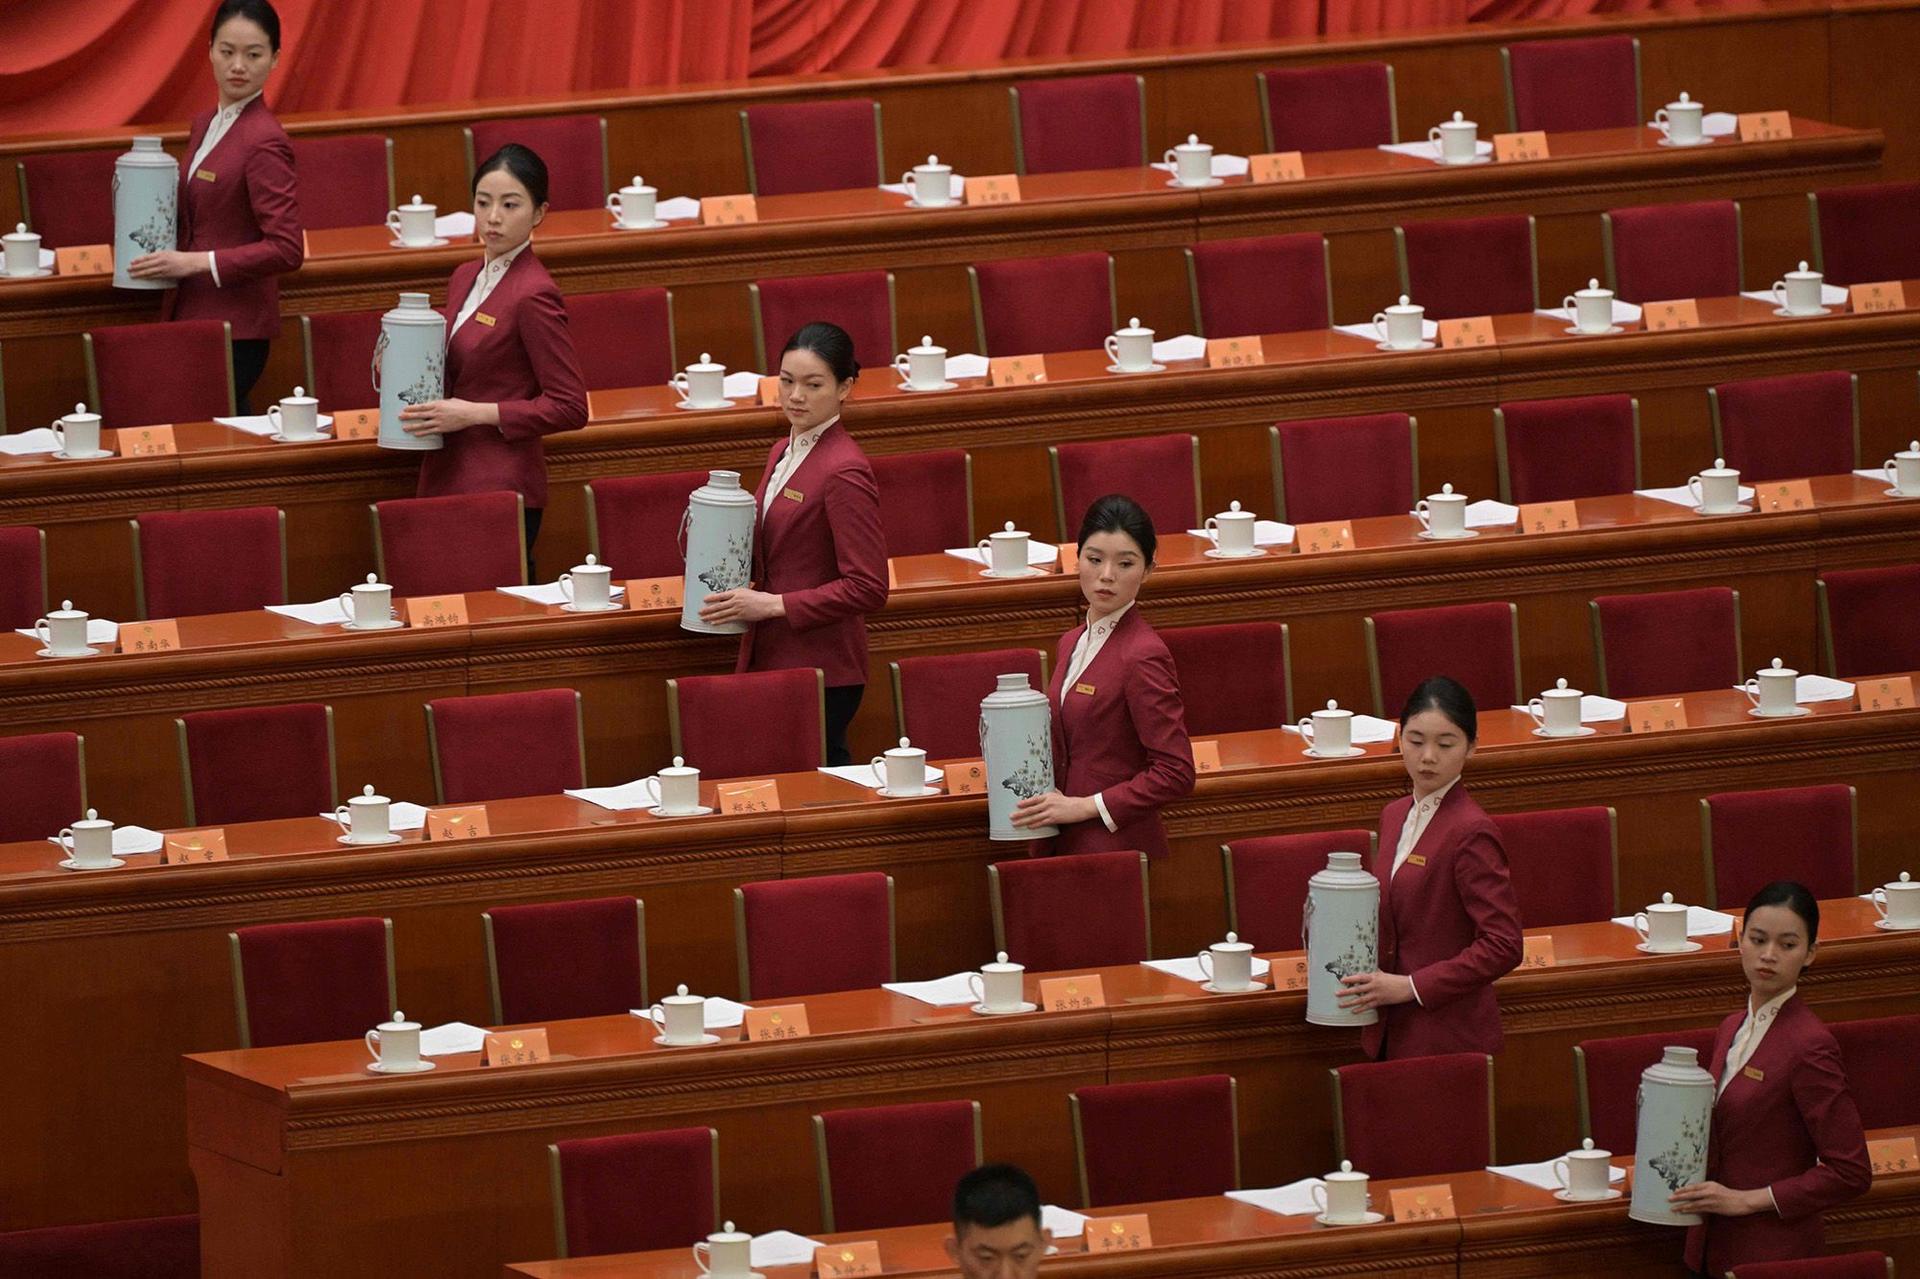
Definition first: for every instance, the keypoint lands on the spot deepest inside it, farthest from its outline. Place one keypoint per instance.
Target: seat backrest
(1030, 306)
(926, 500)
(1868, 616)
(1191, 1125)
(1342, 468)
(750, 724)
(1263, 284)
(1160, 472)
(573, 146)
(1084, 910)
(1667, 642)
(258, 763)
(340, 357)
(1415, 1116)
(861, 302)
(23, 576)
(553, 960)
(147, 1248)
(1079, 122)
(795, 147)
(281, 1002)
(886, 1166)
(349, 179)
(633, 522)
(1476, 644)
(937, 697)
(1234, 678)
(500, 745)
(634, 1192)
(815, 934)
(1559, 450)
(1803, 833)
(1879, 1053)
(1344, 107)
(450, 545)
(147, 374)
(1267, 878)
(1866, 232)
(1781, 428)
(43, 776)
(197, 562)
(69, 196)
(1566, 85)
(1608, 1080)
(1471, 266)
(624, 337)
(1851, 1265)
(1662, 252)
(1563, 864)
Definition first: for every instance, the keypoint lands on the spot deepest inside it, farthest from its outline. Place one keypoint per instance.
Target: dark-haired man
(996, 1224)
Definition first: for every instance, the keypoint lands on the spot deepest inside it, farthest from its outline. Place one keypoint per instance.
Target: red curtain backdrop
(100, 64)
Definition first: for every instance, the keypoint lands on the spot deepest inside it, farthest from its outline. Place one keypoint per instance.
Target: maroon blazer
(1794, 1128)
(1448, 920)
(822, 550)
(242, 205)
(1120, 732)
(515, 351)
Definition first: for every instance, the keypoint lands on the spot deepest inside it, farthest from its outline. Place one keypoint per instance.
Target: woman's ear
(540, 215)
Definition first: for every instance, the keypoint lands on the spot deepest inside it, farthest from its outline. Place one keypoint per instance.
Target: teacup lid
(1906, 877)
(20, 232)
(638, 184)
(399, 1022)
(926, 346)
(93, 815)
(1912, 450)
(1586, 1143)
(1345, 1170)
(1233, 939)
(1803, 272)
(67, 609)
(416, 204)
(593, 565)
(906, 744)
(679, 766)
(1446, 490)
(1233, 508)
(680, 996)
(1666, 899)
(1719, 467)
(706, 364)
(80, 410)
(1133, 328)
(1459, 119)
(366, 796)
(1333, 708)
(373, 579)
(299, 396)
(933, 161)
(1560, 683)
(1008, 530)
(1593, 289)
(1685, 100)
(1193, 142)
(729, 1235)
(1405, 304)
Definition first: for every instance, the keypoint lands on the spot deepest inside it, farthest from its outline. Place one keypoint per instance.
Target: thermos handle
(379, 349)
(680, 538)
(1306, 920)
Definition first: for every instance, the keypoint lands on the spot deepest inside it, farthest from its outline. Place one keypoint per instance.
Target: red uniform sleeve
(1833, 1123)
(1160, 718)
(275, 197)
(859, 554)
(1486, 890)
(541, 321)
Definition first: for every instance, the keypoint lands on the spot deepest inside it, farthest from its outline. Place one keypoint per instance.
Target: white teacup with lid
(1131, 348)
(412, 223)
(1401, 326)
(1716, 490)
(63, 632)
(1443, 515)
(89, 843)
(1772, 688)
(1903, 471)
(1006, 552)
(1584, 1173)
(923, 367)
(1898, 902)
(997, 986)
(682, 1019)
(78, 434)
(931, 183)
(369, 605)
(1590, 310)
(902, 771)
(588, 587)
(1343, 1199)
(1328, 733)
(296, 417)
(1231, 532)
(702, 385)
(1798, 292)
(1663, 926)
(367, 817)
(1557, 711)
(1681, 122)
(1192, 162)
(675, 790)
(395, 1046)
(725, 1254)
(1456, 139)
(633, 205)
(1228, 965)
(22, 250)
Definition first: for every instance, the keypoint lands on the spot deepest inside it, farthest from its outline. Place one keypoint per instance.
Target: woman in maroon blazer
(1786, 1143)
(512, 375)
(820, 555)
(239, 204)
(1120, 749)
(1449, 925)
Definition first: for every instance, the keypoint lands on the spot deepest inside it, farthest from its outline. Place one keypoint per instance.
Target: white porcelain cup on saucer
(1798, 292)
(1771, 690)
(923, 367)
(370, 603)
(1583, 1173)
(931, 183)
(1662, 925)
(682, 1018)
(297, 417)
(1681, 122)
(633, 205)
(725, 1254)
(1231, 531)
(63, 631)
(78, 432)
(1228, 964)
(588, 586)
(703, 384)
(395, 1044)
(1898, 902)
(1343, 1199)
(1192, 162)
(1399, 326)
(1005, 552)
(1590, 309)
(1716, 490)
(91, 839)
(676, 789)
(23, 251)
(902, 770)
(366, 817)
(1903, 470)
(997, 986)
(1456, 139)
(1329, 731)
(1131, 348)
(1442, 514)
(412, 223)
(1557, 711)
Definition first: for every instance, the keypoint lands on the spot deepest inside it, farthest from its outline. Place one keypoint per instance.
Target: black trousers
(532, 516)
(249, 362)
(842, 702)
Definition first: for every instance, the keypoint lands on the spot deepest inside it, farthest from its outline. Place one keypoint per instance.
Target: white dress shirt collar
(217, 129)
(491, 273)
(1419, 817)
(1092, 639)
(1746, 1040)
(798, 446)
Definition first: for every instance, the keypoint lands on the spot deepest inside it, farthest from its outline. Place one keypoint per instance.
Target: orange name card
(1547, 517)
(1276, 166)
(845, 1260)
(150, 637)
(969, 778)
(1889, 295)
(515, 1048)
(187, 847)
(1894, 1154)
(784, 1021)
(1016, 370)
(1765, 126)
(356, 424)
(654, 594)
(1206, 757)
(465, 821)
(1784, 495)
(1422, 1203)
(1657, 716)
(1661, 317)
(1508, 147)
(1886, 694)
(1118, 1234)
(1072, 994)
(1312, 539)
(1290, 973)
(83, 259)
(147, 441)
(728, 210)
(1069, 557)
(1235, 353)
(428, 611)
(1474, 330)
(770, 392)
(1536, 951)
(740, 798)
(998, 188)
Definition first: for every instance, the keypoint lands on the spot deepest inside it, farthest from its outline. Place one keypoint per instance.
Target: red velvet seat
(149, 1248)
(1477, 644)
(1566, 85)
(861, 302)
(23, 576)
(339, 358)
(1662, 252)
(1864, 234)
(1784, 428)
(279, 996)
(1867, 619)
(148, 374)
(886, 1166)
(44, 776)
(1030, 306)
(347, 179)
(1851, 1265)
(633, 522)
(1802, 833)
(1415, 1116)
(1471, 266)
(1267, 876)
(1079, 122)
(1564, 863)
(549, 961)
(795, 147)
(1264, 284)
(574, 147)
(1085, 910)
(635, 1192)
(1667, 642)
(1344, 468)
(1559, 450)
(751, 724)
(1607, 1080)
(926, 500)
(937, 698)
(1160, 472)
(500, 745)
(1191, 1127)
(1234, 677)
(191, 563)
(450, 545)
(1344, 107)
(624, 337)
(814, 934)
(257, 763)
(1879, 1055)
(69, 196)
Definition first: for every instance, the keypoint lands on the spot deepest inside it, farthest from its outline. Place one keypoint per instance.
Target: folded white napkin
(1184, 347)
(1680, 495)
(965, 366)
(1366, 729)
(400, 816)
(1541, 1174)
(902, 188)
(1623, 312)
(40, 439)
(1038, 553)
(1830, 295)
(1817, 688)
(1265, 533)
(1224, 166)
(1488, 513)
(1595, 709)
(1064, 1223)
(624, 798)
(99, 631)
(1429, 330)
(862, 775)
(453, 226)
(548, 593)
(1295, 1199)
(1716, 124)
(941, 992)
(454, 1037)
(128, 841)
(1424, 150)
(741, 386)
(782, 1248)
(677, 209)
(261, 424)
(324, 613)
(719, 1013)
(1188, 969)
(1866, 472)
(1701, 922)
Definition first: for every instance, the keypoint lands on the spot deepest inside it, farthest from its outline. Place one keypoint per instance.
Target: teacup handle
(1537, 711)
(344, 816)
(658, 1016)
(906, 180)
(1206, 963)
(1212, 528)
(1660, 121)
(1643, 925)
(1779, 292)
(1563, 1173)
(613, 203)
(1752, 689)
(1879, 899)
(1112, 344)
(679, 383)
(1571, 306)
(277, 419)
(1420, 513)
(879, 767)
(566, 586)
(986, 551)
(66, 837)
(978, 985)
(900, 365)
(1319, 1196)
(393, 223)
(1306, 729)
(651, 785)
(1380, 324)
(1168, 158)
(1893, 473)
(1433, 135)
(701, 1252)
(373, 1044)
(43, 631)
(1697, 489)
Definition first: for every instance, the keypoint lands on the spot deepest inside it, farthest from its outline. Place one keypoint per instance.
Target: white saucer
(1585, 730)
(1371, 1219)
(1009, 577)
(604, 608)
(1217, 554)
(39, 274)
(81, 457)
(278, 438)
(375, 842)
(1151, 368)
(1687, 949)
(1898, 493)
(1885, 925)
(393, 625)
(434, 243)
(985, 1011)
(1210, 988)
(654, 225)
(1429, 535)
(1388, 346)
(1669, 142)
(1742, 509)
(47, 652)
(704, 1041)
(922, 793)
(1461, 164)
(940, 386)
(944, 204)
(1795, 713)
(1570, 1198)
(1785, 314)
(701, 811)
(70, 864)
(418, 1067)
(1351, 752)
(1574, 330)
(1194, 186)
(691, 407)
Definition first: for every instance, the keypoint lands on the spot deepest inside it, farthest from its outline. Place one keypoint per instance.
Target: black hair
(831, 343)
(1796, 898)
(520, 163)
(1118, 513)
(993, 1195)
(259, 12)
(1450, 697)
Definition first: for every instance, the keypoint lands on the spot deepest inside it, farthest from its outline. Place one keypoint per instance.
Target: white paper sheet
(454, 1037)
(1429, 330)
(1424, 150)
(720, 1013)
(1595, 709)
(548, 593)
(1541, 1174)
(1366, 729)
(1866, 472)
(677, 209)
(1188, 969)
(1817, 688)
(454, 226)
(401, 816)
(261, 424)
(941, 992)
(902, 188)
(1038, 554)
(1184, 347)
(1701, 922)
(128, 841)
(1489, 513)
(1064, 1223)
(624, 798)
(741, 386)
(1680, 495)
(1295, 1199)
(862, 775)
(1265, 533)
(1623, 312)
(40, 439)
(323, 613)
(966, 366)
(99, 631)
(782, 1248)
(1830, 295)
